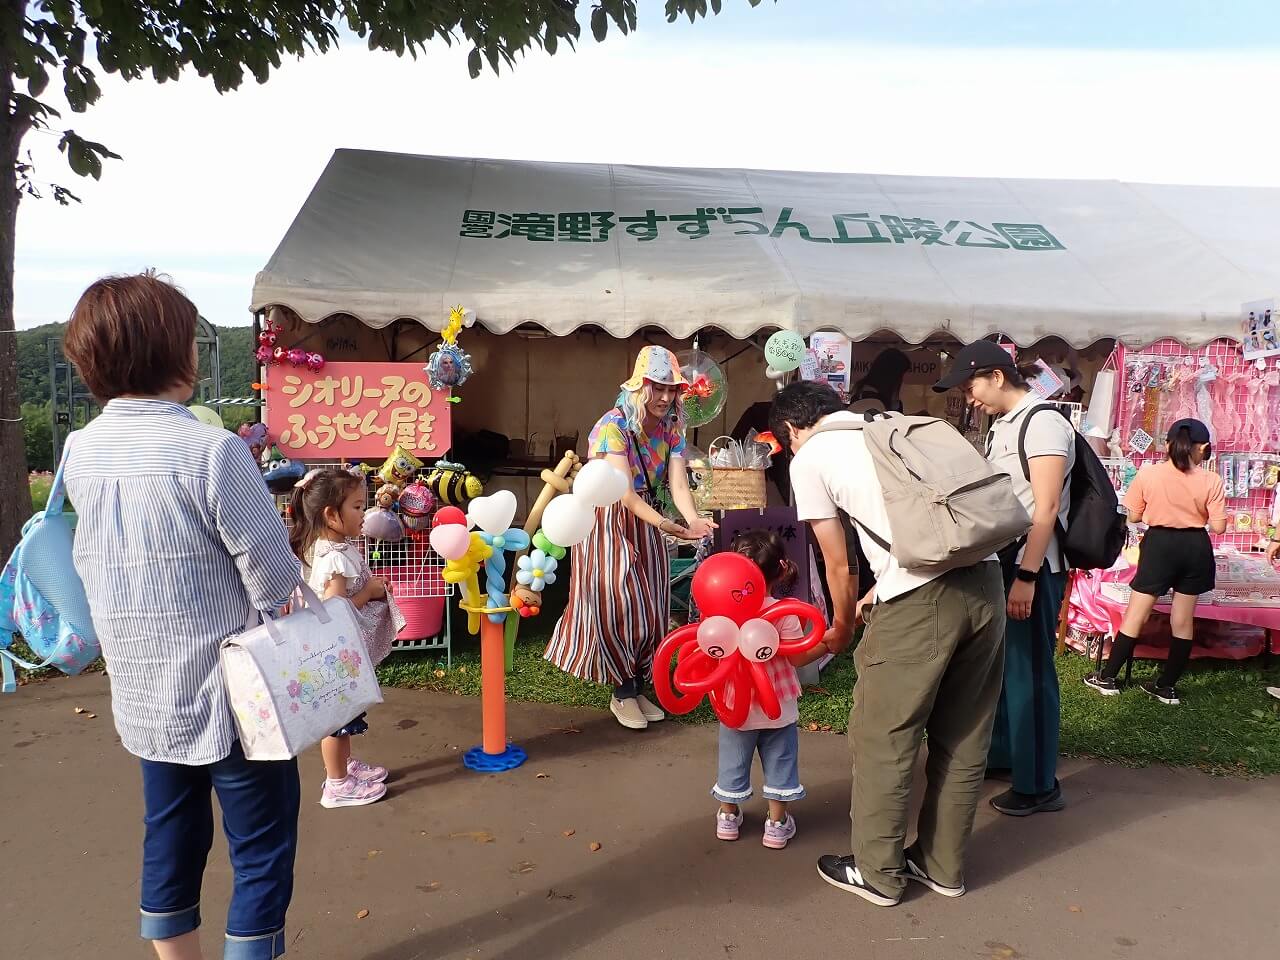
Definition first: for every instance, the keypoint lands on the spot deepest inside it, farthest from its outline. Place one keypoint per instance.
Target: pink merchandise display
(1239, 399)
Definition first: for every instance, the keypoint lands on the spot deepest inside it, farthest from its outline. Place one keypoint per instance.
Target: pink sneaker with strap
(365, 771)
(351, 793)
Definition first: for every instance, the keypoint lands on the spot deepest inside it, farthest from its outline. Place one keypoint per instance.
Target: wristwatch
(1027, 576)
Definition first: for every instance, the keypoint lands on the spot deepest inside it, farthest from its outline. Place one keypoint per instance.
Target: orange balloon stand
(494, 755)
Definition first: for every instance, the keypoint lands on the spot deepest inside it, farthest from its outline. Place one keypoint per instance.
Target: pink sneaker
(364, 771)
(778, 835)
(728, 825)
(351, 793)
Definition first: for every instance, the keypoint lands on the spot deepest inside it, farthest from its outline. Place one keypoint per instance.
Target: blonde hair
(633, 404)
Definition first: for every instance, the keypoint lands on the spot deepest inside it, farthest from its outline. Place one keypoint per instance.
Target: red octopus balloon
(724, 657)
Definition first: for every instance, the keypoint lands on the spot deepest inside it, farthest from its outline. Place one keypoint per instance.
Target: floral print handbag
(293, 681)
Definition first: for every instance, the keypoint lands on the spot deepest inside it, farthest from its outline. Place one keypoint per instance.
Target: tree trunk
(15, 494)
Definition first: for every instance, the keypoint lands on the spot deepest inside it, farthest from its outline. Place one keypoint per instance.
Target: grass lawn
(1226, 725)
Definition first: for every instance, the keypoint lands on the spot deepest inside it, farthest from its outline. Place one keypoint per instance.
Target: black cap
(979, 355)
(1196, 428)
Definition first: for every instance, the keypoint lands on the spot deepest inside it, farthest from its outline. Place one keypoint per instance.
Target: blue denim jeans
(779, 759)
(259, 801)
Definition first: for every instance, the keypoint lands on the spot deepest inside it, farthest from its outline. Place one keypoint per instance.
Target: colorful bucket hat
(657, 365)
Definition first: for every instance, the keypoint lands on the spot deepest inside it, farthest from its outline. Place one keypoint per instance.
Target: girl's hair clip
(307, 478)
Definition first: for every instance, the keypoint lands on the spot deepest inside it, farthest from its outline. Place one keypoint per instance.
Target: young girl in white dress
(328, 508)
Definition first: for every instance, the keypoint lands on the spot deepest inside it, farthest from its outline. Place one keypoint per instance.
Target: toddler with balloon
(774, 738)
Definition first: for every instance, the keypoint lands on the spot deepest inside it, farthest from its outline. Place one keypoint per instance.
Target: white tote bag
(295, 680)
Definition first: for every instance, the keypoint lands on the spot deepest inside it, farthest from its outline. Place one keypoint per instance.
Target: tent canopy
(390, 236)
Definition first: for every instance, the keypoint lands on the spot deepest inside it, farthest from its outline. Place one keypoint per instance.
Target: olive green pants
(930, 662)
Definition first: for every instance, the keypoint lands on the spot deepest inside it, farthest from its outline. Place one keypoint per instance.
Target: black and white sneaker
(916, 872)
(1163, 694)
(842, 872)
(1104, 685)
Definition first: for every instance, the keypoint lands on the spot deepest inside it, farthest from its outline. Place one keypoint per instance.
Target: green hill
(238, 372)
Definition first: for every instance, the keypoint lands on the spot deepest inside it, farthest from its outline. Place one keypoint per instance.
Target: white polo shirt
(1048, 435)
(834, 471)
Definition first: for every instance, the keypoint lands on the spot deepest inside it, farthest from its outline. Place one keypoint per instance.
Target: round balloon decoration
(206, 416)
(708, 388)
(784, 350)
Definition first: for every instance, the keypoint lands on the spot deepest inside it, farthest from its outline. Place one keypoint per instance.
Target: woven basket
(731, 488)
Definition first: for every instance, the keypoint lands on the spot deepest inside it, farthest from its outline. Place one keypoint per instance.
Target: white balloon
(493, 514)
(600, 484)
(567, 520)
(758, 640)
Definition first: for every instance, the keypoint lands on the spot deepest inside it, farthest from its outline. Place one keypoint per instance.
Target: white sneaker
(628, 713)
(1274, 691)
(652, 712)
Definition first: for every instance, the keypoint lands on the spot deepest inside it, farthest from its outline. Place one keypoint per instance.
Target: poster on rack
(782, 521)
(1259, 329)
(356, 411)
(834, 352)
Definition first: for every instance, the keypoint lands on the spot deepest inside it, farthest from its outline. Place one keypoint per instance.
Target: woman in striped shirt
(177, 539)
(619, 589)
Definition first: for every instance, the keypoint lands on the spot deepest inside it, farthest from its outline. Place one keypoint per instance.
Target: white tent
(389, 236)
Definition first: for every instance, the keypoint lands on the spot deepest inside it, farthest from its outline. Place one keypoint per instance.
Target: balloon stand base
(479, 761)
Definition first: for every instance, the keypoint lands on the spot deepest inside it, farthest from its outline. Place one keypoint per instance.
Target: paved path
(1155, 863)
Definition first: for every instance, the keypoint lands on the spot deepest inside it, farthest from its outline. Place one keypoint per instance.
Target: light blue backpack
(42, 597)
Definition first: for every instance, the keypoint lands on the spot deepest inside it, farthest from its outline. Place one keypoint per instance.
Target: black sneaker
(916, 872)
(1163, 694)
(843, 873)
(1015, 804)
(1104, 685)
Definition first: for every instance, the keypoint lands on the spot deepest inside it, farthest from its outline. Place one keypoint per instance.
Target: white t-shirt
(834, 471)
(1048, 435)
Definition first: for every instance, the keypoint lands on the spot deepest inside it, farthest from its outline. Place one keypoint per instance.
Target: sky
(1163, 91)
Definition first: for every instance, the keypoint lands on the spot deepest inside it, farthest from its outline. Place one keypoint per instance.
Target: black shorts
(1180, 559)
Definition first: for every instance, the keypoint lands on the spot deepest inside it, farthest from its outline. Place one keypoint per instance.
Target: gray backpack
(948, 507)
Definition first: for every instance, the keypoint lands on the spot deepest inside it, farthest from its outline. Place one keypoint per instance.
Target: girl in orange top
(1176, 498)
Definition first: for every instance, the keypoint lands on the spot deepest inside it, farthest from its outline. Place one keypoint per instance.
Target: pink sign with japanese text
(356, 411)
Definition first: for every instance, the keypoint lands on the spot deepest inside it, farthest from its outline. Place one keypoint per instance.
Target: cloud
(209, 181)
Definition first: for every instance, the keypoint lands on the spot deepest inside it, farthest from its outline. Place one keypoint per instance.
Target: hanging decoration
(708, 388)
(271, 353)
(450, 366)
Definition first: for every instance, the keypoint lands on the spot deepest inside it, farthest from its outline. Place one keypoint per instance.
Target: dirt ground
(1152, 863)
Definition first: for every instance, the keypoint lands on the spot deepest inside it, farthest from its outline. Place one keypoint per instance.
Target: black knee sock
(1121, 652)
(1179, 656)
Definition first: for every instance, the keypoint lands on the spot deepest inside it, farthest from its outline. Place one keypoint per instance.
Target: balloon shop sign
(356, 410)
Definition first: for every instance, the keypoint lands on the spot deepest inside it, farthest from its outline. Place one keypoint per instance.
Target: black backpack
(1096, 528)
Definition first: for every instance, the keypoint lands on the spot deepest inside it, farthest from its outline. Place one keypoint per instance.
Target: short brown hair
(133, 336)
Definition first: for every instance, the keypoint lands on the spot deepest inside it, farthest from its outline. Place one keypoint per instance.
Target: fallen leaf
(92, 716)
(373, 853)
(463, 668)
(565, 730)
(431, 887)
(1075, 908)
(594, 847)
(362, 914)
(569, 833)
(524, 866)
(826, 728)
(820, 690)
(79, 709)
(813, 728)
(543, 776)
(552, 895)
(439, 674)
(479, 836)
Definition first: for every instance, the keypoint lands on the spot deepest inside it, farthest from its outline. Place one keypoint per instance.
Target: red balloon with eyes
(724, 656)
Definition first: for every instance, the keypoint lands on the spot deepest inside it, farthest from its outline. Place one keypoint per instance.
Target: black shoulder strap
(1022, 436)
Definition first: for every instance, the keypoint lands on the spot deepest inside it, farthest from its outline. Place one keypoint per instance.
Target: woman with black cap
(1035, 446)
(1176, 498)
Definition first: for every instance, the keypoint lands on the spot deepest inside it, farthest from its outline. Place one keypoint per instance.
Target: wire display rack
(412, 571)
(1240, 401)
